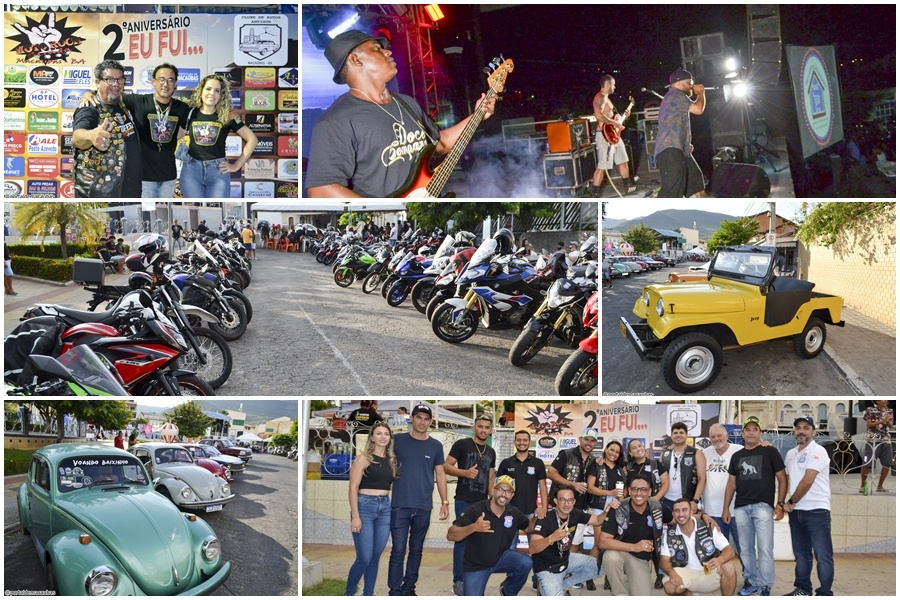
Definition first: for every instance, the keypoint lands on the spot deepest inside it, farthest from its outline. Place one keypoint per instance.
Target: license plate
(214, 508)
(622, 329)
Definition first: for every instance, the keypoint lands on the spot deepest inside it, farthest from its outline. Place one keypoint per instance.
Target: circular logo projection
(818, 98)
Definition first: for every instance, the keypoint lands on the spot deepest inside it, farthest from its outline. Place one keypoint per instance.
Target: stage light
(731, 64)
(434, 11)
(740, 90)
(343, 26)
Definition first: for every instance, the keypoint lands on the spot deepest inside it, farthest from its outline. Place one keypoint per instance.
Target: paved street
(769, 369)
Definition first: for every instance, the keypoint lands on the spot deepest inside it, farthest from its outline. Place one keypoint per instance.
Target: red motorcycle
(578, 375)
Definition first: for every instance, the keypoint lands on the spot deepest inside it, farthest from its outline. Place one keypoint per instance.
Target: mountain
(612, 223)
(706, 222)
(258, 411)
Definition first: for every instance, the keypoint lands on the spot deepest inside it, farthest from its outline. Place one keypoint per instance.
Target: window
(840, 409)
(823, 413)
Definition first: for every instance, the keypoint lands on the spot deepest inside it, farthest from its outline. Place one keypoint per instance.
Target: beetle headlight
(186, 492)
(101, 582)
(226, 489)
(646, 298)
(660, 307)
(211, 548)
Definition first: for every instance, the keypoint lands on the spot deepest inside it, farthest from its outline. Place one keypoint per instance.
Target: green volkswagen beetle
(100, 529)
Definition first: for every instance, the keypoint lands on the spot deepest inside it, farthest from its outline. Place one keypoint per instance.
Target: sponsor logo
(259, 77)
(265, 147)
(67, 189)
(235, 99)
(71, 98)
(288, 168)
(188, 78)
(288, 123)
(287, 100)
(13, 166)
(547, 442)
(78, 76)
(568, 442)
(234, 76)
(43, 98)
(260, 122)
(259, 189)
(259, 38)
(286, 189)
(288, 77)
(259, 168)
(13, 97)
(259, 100)
(13, 143)
(287, 145)
(41, 120)
(546, 455)
(13, 120)
(42, 167)
(65, 166)
(68, 121)
(233, 145)
(43, 75)
(43, 143)
(235, 189)
(14, 75)
(42, 189)
(13, 189)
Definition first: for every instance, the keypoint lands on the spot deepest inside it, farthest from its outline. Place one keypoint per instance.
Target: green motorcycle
(355, 265)
(78, 372)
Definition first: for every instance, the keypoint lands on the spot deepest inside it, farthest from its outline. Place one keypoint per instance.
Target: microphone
(646, 91)
(704, 87)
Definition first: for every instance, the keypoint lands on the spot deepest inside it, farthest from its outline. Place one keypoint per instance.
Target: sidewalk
(865, 351)
(855, 574)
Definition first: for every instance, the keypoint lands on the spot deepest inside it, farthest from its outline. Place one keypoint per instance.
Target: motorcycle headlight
(660, 307)
(186, 492)
(101, 582)
(211, 548)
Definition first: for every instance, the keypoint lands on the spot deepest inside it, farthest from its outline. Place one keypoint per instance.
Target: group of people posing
(663, 523)
(125, 144)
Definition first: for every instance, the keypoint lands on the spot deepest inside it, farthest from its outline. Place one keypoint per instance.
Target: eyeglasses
(565, 500)
(168, 80)
(640, 490)
(112, 80)
(504, 492)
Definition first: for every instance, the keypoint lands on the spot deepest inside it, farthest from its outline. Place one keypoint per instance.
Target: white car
(176, 477)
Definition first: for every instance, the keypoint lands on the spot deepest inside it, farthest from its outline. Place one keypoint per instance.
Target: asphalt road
(258, 531)
(768, 369)
(310, 337)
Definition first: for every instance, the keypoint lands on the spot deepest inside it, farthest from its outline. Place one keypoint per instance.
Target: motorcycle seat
(84, 316)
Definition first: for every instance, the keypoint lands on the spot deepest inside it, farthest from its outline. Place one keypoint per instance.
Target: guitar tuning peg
(497, 62)
(488, 70)
(502, 59)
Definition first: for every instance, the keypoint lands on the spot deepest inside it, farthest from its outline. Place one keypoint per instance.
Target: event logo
(548, 420)
(818, 97)
(46, 40)
(43, 98)
(260, 41)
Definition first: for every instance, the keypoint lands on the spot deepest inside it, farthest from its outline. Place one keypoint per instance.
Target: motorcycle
(355, 265)
(408, 272)
(378, 272)
(578, 374)
(78, 372)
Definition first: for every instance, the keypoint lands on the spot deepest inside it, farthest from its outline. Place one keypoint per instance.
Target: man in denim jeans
(421, 459)
(751, 482)
(809, 510)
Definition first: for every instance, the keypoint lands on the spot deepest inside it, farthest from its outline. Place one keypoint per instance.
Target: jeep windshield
(751, 267)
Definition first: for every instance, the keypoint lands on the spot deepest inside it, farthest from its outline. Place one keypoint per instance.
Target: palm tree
(43, 218)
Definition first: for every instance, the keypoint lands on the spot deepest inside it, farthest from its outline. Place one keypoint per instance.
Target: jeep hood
(145, 531)
(697, 298)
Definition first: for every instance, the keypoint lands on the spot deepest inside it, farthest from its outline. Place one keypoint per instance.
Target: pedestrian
(119, 442)
(809, 510)
(695, 557)
(132, 439)
(556, 569)
(392, 237)
(718, 459)
(530, 476)
(8, 272)
(177, 231)
(752, 477)
(490, 526)
(421, 460)
(247, 238)
(373, 472)
(569, 469)
(107, 160)
(473, 463)
(879, 420)
(202, 228)
(206, 173)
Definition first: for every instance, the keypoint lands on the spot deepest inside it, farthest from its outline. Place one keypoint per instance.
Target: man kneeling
(694, 557)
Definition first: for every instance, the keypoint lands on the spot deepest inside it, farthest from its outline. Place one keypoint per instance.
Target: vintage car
(209, 453)
(177, 477)
(696, 273)
(202, 460)
(226, 446)
(742, 302)
(100, 528)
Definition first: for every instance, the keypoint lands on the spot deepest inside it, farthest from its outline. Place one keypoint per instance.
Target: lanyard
(162, 116)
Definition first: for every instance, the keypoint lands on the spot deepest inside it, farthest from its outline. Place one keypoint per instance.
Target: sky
(631, 209)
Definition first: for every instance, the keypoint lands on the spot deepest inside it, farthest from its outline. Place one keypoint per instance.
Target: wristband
(445, 502)
(790, 500)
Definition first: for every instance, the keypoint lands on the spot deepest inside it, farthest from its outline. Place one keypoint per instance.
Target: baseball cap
(805, 419)
(753, 420)
(342, 45)
(507, 480)
(590, 432)
(679, 75)
(422, 408)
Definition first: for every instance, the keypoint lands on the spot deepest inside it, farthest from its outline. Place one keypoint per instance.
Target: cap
(426, 408)
(753, 420)
(342, 45)
(679, 75)
(805, 419)
(590, 432)
(507, 480)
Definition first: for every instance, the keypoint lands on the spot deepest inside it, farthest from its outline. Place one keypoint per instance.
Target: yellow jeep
(742, 302)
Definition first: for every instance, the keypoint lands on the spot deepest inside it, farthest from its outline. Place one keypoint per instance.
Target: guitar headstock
(497, 70)
(631, 99)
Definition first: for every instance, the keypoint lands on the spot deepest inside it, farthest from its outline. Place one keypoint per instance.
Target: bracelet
(445, 503)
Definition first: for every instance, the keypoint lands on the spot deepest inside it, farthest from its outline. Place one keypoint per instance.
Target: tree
(190, 418)
(315, 405)
(352, 219)
(108, 414)
(644, 239)
(733, 233)
(282, 439)
(828, 219)
(295, 431)
(468, 216)
(44, 218)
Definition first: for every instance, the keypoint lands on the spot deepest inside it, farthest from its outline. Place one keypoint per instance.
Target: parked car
(177, 477)
(619, 270)
(101, 529)
(226, 446)
(202, 460)
(686, 325)
(232, 464)
(654, 264)
(695, 273)
(666, 259)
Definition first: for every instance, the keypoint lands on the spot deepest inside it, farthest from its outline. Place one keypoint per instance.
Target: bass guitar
(611, 132)
(425, 183)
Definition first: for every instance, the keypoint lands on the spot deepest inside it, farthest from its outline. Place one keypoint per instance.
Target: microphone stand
(645, 90)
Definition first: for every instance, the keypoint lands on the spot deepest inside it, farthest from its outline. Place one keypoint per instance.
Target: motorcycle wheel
(320, 256)
(233, 324)
(217, 369)
(371, 282)
(387, 285)
(443, 326)
(245, 276)
(329, 259)
(526, 346)
(248, 307)
(236, 279)
(421, 294)
(397, 293)
(344, 277)
(436, 301)
(188, 385)
(577, 376)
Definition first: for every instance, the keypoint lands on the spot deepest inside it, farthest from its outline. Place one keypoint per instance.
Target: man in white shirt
(809, 510)
(694, 557)
(718, 457)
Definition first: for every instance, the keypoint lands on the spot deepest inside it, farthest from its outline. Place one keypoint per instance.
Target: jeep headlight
(101, 582)
(211, 548)
(186, 492)
(646, 298)
(660, 307)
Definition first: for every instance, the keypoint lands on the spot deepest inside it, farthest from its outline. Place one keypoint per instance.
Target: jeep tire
(810, 343)
(692, 362)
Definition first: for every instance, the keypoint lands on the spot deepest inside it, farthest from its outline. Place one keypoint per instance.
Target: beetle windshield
(85, 471)
(752, 267)
(173, 455)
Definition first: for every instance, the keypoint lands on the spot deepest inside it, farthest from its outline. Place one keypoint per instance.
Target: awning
(442, 415)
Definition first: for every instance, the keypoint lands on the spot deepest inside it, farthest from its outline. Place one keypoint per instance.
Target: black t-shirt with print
(208, 136)
(483, 550)
(158, 133)
(557, 552)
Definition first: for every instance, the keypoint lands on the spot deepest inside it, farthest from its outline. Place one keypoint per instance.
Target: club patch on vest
(508, 521)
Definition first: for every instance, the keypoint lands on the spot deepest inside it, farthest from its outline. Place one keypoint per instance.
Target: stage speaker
(735, 180)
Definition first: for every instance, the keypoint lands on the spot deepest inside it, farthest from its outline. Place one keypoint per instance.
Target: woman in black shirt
(206, 173)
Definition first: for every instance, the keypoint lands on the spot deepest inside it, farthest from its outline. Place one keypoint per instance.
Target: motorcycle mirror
(146, 300)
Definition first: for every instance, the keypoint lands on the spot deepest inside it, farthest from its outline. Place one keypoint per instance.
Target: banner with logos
(49, 59)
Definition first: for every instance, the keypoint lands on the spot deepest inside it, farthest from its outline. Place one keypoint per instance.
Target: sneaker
(577, 586)
(589, 584)
(457, 588)
(606, 585)
(797, 592)
(748, 590)
(659, 584)
(764, 591)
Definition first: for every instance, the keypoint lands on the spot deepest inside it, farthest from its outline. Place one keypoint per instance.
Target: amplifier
(569, 170)
(569, 135)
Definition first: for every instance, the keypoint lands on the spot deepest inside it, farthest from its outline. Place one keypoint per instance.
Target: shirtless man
(607, 154)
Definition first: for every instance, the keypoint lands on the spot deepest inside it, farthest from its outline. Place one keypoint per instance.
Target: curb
(857, 383)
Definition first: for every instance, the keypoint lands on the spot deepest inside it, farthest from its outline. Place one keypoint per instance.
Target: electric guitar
(423, 183)
(611, 132)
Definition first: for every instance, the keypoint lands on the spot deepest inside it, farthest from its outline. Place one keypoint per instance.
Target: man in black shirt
(569, 470)
(490, 526)
(555, 568)
(473, 462)
(530, 476)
